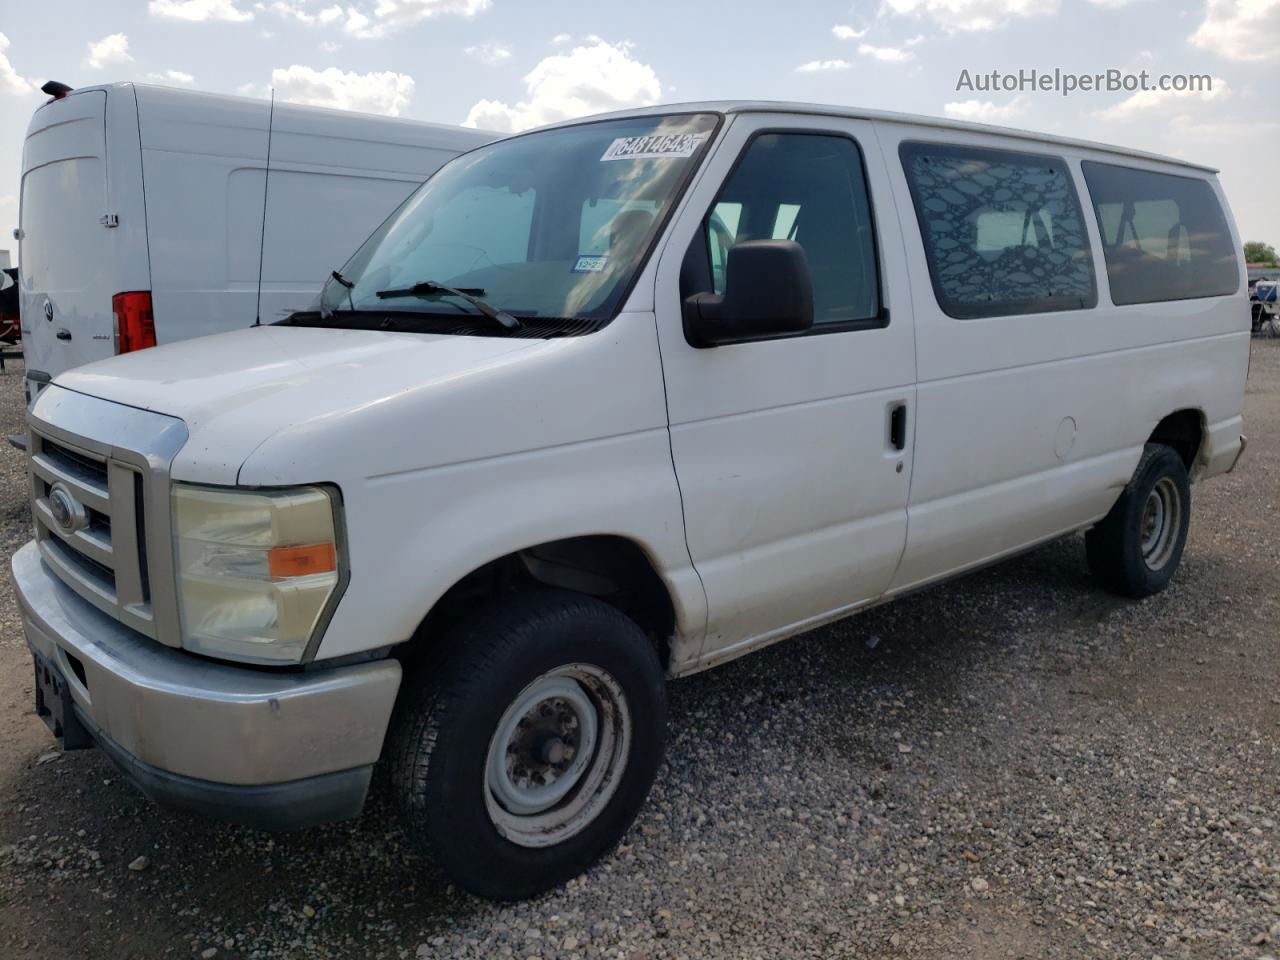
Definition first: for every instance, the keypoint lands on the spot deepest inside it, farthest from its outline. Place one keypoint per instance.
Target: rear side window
(1164, 237)
(1003, 232)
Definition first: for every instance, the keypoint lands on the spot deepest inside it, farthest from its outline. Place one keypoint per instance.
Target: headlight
(256, 569)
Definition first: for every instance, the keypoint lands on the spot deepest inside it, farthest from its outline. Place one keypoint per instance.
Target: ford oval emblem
(68, 513)
(48, 309)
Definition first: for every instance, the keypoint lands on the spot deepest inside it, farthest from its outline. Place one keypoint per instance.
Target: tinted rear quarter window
(1164, 237)
(1003, 231)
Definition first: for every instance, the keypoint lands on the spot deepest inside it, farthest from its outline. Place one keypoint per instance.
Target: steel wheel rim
(1161, 523)
(557, 755)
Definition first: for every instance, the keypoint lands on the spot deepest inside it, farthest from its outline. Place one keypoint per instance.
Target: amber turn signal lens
(301, 561)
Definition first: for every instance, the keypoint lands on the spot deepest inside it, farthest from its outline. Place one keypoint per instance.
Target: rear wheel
(1137, 547)
(528, 753)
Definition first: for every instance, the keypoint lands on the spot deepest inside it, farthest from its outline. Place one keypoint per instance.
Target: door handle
(898, 426)
(63, 334)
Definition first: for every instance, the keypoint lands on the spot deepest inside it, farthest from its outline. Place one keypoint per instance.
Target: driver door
(793, 454)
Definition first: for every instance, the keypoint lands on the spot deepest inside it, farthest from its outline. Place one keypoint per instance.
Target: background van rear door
(64, 255)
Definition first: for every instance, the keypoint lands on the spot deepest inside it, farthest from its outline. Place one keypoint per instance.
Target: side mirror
(768, 293)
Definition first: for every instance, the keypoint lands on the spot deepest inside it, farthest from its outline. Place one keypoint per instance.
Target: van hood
(237, 389)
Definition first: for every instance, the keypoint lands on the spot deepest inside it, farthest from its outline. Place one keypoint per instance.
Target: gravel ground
(1013, 765)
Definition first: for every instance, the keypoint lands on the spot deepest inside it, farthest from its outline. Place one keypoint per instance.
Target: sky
(514, 64)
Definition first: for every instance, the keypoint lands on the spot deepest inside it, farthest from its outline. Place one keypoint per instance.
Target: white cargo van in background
(143, 203)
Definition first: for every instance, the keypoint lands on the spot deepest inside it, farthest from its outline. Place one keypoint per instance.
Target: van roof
(889, 116)
(194, 93)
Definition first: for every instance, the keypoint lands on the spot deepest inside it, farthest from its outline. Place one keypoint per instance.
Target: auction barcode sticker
(654, 146)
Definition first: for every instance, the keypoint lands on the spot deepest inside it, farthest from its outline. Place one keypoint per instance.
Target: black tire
(440, 742)
(1123, 552)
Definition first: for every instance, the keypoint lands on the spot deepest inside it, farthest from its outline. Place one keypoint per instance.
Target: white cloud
(560, 39)
(973, 14)
(1160, 101)
(1240, 29)
(199, 10)
(843, 32)
(382, 92)
(298, 10)
(489, 53)
(113, 48)
(591, 78)
(984, 111)
(10, 82)
(389, 15)
(1219, 131)
(887, 54)
(1113, 4)
(328, 46)
(176, 77)
(824, 66)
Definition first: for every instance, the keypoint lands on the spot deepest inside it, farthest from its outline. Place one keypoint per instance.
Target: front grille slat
(85, 572)
(94, 543)
(94, 495)
(89, 466)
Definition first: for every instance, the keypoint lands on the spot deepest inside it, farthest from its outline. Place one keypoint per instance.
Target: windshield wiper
(471, 295)
(345, 284)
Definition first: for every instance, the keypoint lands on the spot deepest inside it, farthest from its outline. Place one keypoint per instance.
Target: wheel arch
(1184, 430)
(610, 567)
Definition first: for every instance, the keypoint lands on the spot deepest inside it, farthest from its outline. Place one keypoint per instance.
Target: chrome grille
(99, 557)
(100, 500)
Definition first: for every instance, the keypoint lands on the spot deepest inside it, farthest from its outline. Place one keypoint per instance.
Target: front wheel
(1136, 548)
(530, 751)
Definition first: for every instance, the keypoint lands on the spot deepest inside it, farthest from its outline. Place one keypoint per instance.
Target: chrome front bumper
(273, 749)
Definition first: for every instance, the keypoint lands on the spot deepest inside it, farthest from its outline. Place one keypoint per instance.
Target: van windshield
(547, 228)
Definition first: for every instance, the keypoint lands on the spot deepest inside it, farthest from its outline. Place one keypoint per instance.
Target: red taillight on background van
(135, 323)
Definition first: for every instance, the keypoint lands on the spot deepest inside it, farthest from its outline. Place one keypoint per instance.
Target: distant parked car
(142, 211)
(1263, 302)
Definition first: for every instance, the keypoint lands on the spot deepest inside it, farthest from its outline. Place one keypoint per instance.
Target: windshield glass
(547, 225)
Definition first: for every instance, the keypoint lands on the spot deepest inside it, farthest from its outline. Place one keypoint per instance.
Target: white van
(605, 404)
(142, 212)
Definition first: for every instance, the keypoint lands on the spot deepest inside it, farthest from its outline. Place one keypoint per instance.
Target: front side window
(809, 188)
(1003, 232)
(551, 228)
(1164, 237)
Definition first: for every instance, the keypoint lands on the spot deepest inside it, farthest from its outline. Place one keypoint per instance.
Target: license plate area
(54, 705)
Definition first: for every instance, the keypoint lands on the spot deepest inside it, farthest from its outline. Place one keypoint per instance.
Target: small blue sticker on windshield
(590, 263)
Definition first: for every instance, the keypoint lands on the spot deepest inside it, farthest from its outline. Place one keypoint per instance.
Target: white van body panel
(489, 471)
(183, 174)
(782, 446)
(334, 177)
(1029, 426)
(68, 260)
(756, 478)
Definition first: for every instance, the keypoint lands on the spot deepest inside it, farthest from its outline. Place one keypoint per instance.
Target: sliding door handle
(898, 426)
